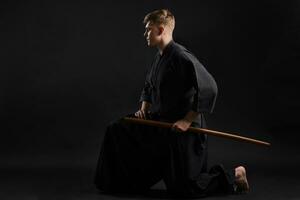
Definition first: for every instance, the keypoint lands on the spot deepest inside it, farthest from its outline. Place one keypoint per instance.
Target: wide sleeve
(147, 89)
(206, 89)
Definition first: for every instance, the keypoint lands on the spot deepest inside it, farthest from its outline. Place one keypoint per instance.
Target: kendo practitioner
(178, 89)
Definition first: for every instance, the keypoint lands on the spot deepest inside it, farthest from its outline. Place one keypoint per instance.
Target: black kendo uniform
(135, 157)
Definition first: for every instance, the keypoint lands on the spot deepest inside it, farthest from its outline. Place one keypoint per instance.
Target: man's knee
(119, 121)
(117, 127)
(113, 124)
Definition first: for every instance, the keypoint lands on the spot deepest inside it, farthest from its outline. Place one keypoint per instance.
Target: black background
(68, 69)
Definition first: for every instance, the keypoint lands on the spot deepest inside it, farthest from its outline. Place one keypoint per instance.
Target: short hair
(162, 16)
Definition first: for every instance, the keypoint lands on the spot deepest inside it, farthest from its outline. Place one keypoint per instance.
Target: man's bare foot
(241, 180)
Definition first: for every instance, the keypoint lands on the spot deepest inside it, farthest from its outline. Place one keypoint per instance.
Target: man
(178, 89)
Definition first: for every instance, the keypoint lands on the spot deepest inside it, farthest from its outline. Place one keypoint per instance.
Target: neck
(161, 46)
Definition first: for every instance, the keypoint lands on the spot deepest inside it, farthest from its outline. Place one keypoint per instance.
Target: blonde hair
(161, 17)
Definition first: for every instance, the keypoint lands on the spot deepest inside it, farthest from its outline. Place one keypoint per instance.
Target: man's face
(152, 34)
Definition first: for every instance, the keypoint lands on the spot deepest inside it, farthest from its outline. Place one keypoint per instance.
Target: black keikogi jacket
(177, 83)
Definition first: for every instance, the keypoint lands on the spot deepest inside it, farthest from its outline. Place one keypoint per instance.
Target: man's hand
(142, 114)
(181, 125)
(184, 124)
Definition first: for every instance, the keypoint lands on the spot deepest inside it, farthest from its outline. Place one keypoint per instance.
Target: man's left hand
(181, 125)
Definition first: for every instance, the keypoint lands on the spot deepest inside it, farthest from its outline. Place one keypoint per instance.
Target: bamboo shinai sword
(197, 130)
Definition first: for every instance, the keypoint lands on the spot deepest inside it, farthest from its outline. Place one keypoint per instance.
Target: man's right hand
(142, 114)
(144, 111)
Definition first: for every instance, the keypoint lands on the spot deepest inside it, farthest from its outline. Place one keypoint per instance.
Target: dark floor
(272, 174)
(75, 184)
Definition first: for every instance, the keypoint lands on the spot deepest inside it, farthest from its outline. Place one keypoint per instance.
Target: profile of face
(153, 34)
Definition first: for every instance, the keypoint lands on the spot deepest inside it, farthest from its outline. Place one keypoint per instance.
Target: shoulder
(183, 55)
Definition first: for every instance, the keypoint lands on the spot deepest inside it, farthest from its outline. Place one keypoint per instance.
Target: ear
(160, 30)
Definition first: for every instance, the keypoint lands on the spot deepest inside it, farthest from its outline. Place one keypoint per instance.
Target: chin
(150, 44)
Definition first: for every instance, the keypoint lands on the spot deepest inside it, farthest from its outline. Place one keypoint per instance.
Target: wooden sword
(197, 130)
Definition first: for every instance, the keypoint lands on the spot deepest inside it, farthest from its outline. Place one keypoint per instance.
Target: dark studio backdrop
(68, 69)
